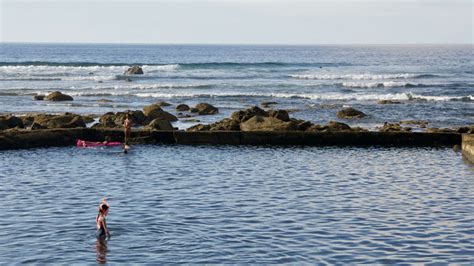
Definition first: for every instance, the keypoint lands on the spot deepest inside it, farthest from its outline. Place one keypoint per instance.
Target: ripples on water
(202, 204)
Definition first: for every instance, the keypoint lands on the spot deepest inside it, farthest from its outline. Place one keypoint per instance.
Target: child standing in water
(102, 230)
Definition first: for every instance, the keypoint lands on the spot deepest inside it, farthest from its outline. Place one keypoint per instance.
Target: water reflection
(101, 250)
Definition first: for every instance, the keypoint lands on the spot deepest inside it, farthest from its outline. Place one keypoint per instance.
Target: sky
(238, 22)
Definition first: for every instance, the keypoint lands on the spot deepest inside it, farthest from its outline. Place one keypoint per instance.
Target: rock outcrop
(66, 120)
(158, 124)
(134, 70)
(58, 96)
(182, 107)
(349, 113)
(205, 109)
(7, 122)
(395, 127)
(154, 111)
(262, 123)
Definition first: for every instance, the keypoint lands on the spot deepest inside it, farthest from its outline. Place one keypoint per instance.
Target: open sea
(241, 204)
(434, 83)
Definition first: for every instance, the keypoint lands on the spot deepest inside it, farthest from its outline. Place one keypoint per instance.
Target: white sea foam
(320, 76)
(386, 84)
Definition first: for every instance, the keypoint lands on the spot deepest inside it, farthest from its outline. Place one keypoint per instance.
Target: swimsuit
(100, 233)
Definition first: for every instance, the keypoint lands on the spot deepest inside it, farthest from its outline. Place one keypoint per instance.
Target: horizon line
(244, 44)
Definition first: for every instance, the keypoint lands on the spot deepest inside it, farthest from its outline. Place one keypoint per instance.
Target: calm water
(435, 83)
(202, 204)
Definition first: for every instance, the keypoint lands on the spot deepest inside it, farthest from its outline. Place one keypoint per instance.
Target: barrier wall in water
(468, 146)
(21, 139)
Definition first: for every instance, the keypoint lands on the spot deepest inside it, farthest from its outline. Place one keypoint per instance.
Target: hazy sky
(238, 22)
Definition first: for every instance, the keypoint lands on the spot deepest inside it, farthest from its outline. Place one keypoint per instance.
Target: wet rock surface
(58, 96)
(134, 70)
(350, 113)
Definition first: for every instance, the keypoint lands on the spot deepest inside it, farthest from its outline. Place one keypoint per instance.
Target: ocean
(433, 83)
(240, 204)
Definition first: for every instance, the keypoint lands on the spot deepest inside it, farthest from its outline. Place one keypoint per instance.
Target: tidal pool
(226, 204)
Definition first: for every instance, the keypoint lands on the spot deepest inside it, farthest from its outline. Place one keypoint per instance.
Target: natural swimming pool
(226, 204)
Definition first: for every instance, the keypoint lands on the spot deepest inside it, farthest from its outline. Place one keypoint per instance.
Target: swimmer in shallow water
(102, 230)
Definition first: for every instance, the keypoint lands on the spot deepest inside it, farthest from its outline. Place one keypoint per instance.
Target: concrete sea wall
(468, 146)
(22, 139)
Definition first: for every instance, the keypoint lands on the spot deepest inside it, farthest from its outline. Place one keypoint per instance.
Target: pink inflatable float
(85, 143)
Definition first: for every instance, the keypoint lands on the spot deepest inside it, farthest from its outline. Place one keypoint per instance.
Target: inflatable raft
(85, 143)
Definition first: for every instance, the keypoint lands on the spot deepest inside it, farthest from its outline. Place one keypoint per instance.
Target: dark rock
(100, 81)
(279, 114)
(163, 103)
(349, 113)
(38, 97)
(58, 96)
(388, 102)
(395, 127)
(267, 104)
(7, 122)
(466, 129)
(158, 124)
(59, 121)
(193, 110)
(134, 70)
(154, 111)
(421, 123)
(225, 124)
(199, 127)
(262, 123)
(104, 101)
(316, 128)
(337, 126)
(128, 80)
(116, 119)
(244, 115)
(36, 126)
(206, 109)
(332, 126)
(182, 107)
(88, 118)
(440, 130)
(191, 120)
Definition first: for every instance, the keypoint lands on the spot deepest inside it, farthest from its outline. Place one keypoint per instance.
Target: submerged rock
(388, 102)
(349, 113)
(38, 97)
(134, 70)
(58, 96)
(267, 104)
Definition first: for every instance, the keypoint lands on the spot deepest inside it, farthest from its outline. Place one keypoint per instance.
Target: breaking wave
(362, 76)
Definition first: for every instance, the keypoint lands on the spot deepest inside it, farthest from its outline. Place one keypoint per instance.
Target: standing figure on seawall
(127, 124)
(102, 230)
